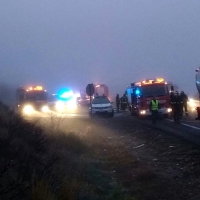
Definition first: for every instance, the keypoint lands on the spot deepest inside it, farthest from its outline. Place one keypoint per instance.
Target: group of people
(178, 104)
(121, 103)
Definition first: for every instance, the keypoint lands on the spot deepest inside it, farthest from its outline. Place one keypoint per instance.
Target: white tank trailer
(198, 79)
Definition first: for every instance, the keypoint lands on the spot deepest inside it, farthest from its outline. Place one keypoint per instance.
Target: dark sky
(70, 43)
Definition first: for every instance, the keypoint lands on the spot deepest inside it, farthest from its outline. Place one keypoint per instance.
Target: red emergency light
(152, 81)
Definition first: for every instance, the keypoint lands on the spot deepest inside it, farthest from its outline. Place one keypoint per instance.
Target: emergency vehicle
(141, 93)
(32, 98)
(101, 89)
(198, 79)
(83, 99)
(64, 101)
(198, 88)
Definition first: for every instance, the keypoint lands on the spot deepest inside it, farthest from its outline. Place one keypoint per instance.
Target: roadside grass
(40, 190)
(55, 163)
(134, 179)
(38, 163)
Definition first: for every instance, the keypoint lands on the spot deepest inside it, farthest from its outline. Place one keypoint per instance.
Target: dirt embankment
(104, 158)
(146, 163)
(164, 167)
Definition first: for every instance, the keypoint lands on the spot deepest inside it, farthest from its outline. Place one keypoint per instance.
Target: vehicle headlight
(142, 112)
(60, 106)
(169, 110)
(191, 103)
(28, 109)
(71, 105)
(45, 109)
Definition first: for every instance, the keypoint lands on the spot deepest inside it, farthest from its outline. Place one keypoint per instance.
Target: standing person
(172, 102)
(123, 102)
(176, 101)
(180, 105)
(117, 102)
(126, 97)
(154, 107)
(184, 98)
(121, 105)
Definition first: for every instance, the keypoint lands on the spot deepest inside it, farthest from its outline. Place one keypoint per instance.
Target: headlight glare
(169, 110)
(45, 109)
(60, 106)
(142, 112)
(28, 109)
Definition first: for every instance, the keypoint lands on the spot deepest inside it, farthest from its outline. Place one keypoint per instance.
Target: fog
(69, 43)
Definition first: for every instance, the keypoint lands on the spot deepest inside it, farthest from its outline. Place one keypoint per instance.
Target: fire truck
(32, 98)
(83, 99)
(101, 89)
(141, 93)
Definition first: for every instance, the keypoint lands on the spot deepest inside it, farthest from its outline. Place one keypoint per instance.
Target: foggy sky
(70, 43)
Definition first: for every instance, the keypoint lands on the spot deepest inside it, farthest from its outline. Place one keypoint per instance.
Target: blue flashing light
(137, 92)
(65, 95)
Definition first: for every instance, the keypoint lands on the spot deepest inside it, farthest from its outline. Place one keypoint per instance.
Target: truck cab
(30, 99)
(141, 93)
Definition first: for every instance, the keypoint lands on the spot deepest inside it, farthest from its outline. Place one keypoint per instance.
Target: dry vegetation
(48, 163)
(93, 160)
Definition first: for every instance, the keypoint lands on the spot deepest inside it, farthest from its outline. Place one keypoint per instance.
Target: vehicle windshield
(36, 95)
(153, 90)
(100, 100)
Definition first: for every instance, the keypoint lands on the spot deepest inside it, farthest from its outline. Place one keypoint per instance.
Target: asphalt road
(189, 128)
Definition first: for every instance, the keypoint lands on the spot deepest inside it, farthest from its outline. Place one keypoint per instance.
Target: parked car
(101, 105)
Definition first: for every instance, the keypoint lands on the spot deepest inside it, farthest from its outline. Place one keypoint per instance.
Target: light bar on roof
(152, 81)
(148, 81)
(38, 87)
(160, 80)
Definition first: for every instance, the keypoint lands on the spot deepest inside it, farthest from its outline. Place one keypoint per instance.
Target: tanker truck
(198, 79)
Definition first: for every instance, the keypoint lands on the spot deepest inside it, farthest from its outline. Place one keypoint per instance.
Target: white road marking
(194, 127)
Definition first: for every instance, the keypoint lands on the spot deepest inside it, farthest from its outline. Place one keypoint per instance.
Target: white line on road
(186, 125)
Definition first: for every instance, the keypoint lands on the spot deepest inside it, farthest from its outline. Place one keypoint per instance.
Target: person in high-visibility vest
(154, 107)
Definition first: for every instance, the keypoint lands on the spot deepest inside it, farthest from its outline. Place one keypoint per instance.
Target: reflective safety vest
(154, 105)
